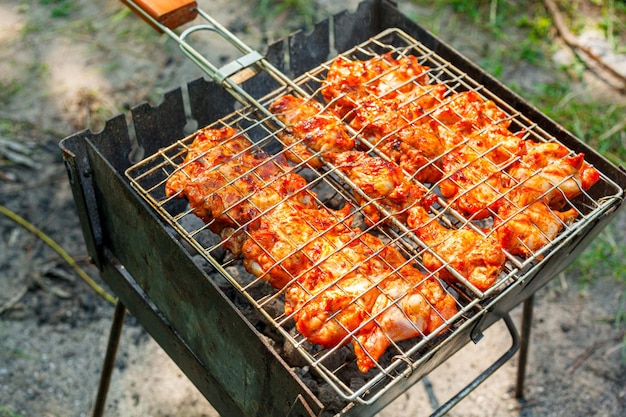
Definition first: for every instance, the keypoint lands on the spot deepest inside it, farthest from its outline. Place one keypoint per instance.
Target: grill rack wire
(333, 189)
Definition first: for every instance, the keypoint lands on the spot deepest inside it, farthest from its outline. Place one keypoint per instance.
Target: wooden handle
(170, 13)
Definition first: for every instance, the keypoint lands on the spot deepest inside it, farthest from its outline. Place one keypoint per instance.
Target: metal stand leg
(445, 408)
(527, 316)
(109, 358)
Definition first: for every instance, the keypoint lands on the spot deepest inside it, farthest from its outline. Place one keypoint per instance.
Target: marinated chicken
(332, 275)
(310, 130)
(385, 77)
(478, 164)
(378, 179)
(402, 134)
(409, 305)
(473, 185)
(549, 172)
(337, 278)
(383, 182)
(478, 258)
(228, 182)
(466, 112)
(524, 224)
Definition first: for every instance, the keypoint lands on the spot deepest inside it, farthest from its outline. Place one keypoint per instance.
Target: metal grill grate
(330, 187)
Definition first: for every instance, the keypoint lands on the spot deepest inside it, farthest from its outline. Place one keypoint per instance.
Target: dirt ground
(60, 74)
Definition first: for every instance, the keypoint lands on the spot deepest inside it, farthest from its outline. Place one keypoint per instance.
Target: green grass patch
(7, 412)
(297, 14)
(59, 8)
(603, 258)
(599, 124)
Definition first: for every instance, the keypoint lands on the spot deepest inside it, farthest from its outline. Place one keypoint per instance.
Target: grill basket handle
(169, 13)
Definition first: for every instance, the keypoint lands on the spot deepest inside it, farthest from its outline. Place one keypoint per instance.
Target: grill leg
(109, 358)
(527, 316)
(445, 408)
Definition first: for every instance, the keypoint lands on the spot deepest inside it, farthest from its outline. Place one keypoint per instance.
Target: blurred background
(69, 65)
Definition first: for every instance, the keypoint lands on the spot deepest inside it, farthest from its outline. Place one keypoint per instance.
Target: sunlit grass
(599, 124)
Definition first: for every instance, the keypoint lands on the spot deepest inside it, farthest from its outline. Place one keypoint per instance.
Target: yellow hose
(58, 249)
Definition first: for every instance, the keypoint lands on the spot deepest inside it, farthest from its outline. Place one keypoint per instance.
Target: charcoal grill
(222, 326)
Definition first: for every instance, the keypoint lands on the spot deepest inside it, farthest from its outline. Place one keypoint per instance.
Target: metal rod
(109, 358)
(515, 343)
(527, 316)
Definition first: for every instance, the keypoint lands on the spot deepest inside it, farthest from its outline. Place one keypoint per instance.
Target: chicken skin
(409, 305)
(402, 311)
(334, 276)
(402, 134)
(477, 258)
(324, 266)
(386, 77)
(309, 129)
(383, 182)
(524, 224)
(228, 182)
(466, 111)
(473, 185)
(548, 171)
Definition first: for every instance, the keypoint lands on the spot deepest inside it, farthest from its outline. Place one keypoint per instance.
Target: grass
(299, 13)
(7, 412)
(603, 258)
(59, 8)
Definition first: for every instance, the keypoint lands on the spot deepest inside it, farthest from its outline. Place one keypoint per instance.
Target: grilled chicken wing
(524, 225)
(400, 133)
(383, 182)
(409, 305)
(466, 112)
(228, 183)
(472, 184)
(476, 257)
(548, 171)
(347, 82)
(309, 129)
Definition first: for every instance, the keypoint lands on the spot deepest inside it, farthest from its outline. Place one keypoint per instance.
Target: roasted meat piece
(310, 129)
(409, 305)
(478, 258)
(472, 184)
(340, 281)
(402, 134)
(550, 172)
(287, 240)
(523, 231)
(229, 182)
(383, 182)
(466, 112)
(348, 82)
(380, 180)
